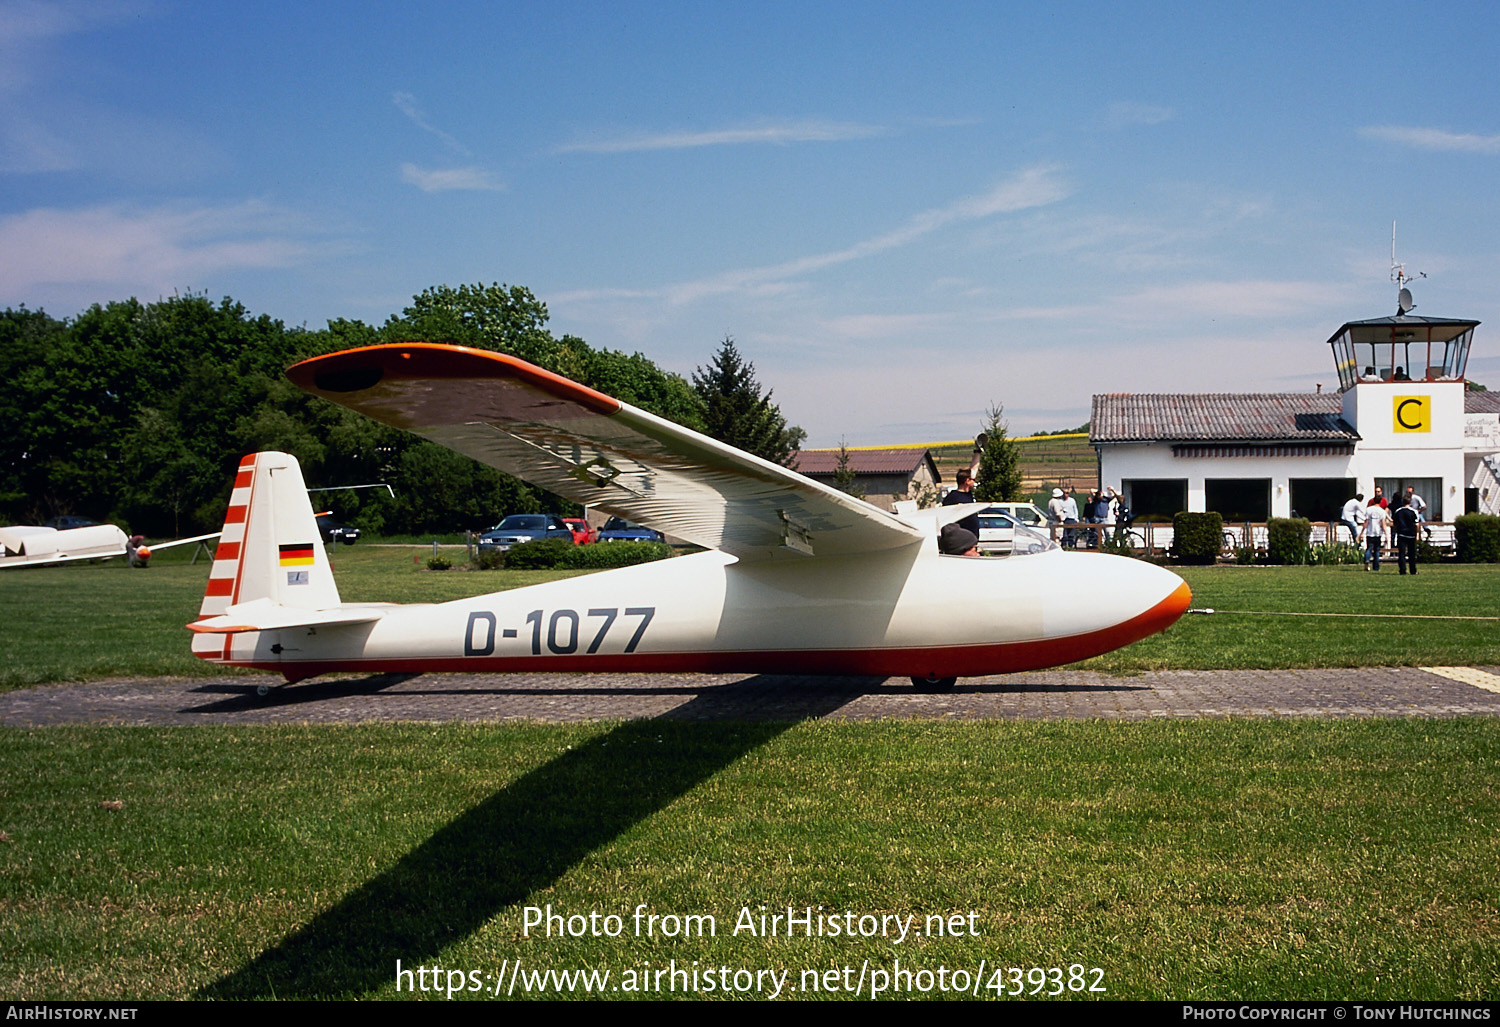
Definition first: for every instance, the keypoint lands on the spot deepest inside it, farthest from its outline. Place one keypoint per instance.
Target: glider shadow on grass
(493, 856)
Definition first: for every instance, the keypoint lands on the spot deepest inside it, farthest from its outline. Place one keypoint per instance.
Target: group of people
(1103, 506)
(1369, 520)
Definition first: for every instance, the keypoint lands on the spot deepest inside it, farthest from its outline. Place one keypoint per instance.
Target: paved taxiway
(1363, 692)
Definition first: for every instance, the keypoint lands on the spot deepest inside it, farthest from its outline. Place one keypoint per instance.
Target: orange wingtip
(355, 370)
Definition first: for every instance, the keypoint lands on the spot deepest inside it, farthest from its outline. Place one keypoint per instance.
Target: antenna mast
(1400, 277)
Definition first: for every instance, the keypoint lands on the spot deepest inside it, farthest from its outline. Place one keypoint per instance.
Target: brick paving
(1054, 694)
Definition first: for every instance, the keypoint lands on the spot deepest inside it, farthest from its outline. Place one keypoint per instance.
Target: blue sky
(901, 212)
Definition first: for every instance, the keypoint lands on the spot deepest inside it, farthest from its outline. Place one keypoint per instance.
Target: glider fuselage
(909, 613)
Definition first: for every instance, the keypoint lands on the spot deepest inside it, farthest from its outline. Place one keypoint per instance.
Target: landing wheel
(262, 690)
(930, 684)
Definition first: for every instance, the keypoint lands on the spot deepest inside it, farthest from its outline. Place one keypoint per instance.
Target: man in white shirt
(1353, 516)
(1417, 503)
(1375, 520)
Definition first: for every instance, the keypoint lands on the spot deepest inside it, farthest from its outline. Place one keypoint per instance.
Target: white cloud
(882, 326)
(778, 134)
(1433, 138)
(26, 26)
(1033, 187)
(143, 249)
(1124, 113)
(407, 104)
(1246, 298)
(450, 179)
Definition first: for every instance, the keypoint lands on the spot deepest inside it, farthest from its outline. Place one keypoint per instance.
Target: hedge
(1478, 538)
(560, 553)
(1286, 540)
(1197, 537)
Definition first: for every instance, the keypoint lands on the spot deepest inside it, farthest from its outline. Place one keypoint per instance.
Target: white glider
(26, 546)
(799, 577)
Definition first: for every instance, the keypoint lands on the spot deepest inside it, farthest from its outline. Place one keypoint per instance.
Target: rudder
(270, 547)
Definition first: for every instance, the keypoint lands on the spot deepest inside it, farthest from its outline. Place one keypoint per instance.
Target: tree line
(138, 413)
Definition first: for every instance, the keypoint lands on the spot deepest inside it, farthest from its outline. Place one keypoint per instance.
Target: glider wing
(595, 450)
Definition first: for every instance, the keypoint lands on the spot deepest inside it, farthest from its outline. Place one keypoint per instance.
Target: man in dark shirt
(1405, 526)
(964, 493)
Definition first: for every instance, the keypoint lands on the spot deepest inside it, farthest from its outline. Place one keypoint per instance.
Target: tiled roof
(861, 461)
(1482, 402)
(1225, 417)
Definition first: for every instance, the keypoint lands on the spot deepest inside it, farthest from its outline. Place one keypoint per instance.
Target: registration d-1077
(562, 631)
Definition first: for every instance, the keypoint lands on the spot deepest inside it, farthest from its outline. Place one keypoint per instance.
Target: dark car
(336, 531)
(618, 529)
(518, 528)
(68, 523)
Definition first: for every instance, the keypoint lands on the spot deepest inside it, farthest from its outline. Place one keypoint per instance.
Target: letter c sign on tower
(1411, 413)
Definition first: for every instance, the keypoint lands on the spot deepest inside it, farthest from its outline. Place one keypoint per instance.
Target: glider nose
(1165, 613)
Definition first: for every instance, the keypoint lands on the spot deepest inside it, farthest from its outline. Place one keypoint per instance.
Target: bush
(603, 555)
(1286, 540)
(439, 563)
(1478, 538)
(541, 554)
(1429, 553)
(1333, 554)
(488, 559)
(1197, 538)
(1245, 555)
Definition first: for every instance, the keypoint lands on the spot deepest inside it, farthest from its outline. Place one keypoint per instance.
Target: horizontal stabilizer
(264, 615)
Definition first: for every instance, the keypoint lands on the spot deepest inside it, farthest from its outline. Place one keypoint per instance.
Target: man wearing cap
(956, 541)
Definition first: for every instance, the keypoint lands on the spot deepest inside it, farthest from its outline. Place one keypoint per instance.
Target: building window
(1239, 499)
(1430, 489)
(1321, 499)
(1155, 497)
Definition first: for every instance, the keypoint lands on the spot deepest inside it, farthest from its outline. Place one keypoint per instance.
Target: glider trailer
(798, 578)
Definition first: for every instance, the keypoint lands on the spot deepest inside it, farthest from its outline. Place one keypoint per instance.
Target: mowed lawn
(1212, 859)
(86, 622)
(1207, 859)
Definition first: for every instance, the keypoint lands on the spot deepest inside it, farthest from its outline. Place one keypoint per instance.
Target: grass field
(1187, 859)
(85, 622)
(1213, 859)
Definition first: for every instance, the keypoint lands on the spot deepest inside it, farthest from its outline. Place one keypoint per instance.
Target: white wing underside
(597, 451)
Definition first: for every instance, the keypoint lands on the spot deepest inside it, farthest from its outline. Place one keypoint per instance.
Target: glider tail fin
(270, 548)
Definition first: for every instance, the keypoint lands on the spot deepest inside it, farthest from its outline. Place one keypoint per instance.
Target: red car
(582, 533)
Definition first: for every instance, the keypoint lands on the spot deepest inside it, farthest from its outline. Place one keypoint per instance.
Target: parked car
(582, 533)
(618, 529)
(1026, 514)
(518, 528)
(336, 531)
(1001, 533)
(69, 522)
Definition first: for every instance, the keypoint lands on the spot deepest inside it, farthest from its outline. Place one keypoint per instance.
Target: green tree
(735, 412)
(844, 475)
(999, 462)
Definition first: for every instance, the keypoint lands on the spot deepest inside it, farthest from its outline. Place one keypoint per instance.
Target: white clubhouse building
(1403, 416)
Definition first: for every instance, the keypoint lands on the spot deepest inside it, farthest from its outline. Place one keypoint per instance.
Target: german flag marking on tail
(296, 554)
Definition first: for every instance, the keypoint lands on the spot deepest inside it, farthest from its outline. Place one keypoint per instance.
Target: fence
(1155, 539)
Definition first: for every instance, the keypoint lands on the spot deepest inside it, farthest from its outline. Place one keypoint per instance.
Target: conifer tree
(735, 411)
(999, 462)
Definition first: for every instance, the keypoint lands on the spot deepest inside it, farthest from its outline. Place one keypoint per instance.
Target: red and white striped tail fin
(270, 548)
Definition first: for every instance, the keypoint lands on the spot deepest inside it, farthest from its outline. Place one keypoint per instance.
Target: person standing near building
(1375, 518)
(1070, 516)
(1417, 503)
(1353, 516)
(1404, 526)
(1055, 510)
